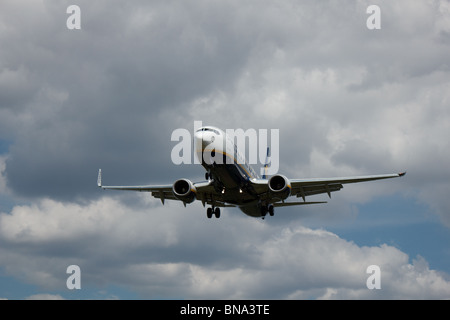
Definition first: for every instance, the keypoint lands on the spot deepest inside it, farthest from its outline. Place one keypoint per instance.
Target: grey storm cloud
(95, 97)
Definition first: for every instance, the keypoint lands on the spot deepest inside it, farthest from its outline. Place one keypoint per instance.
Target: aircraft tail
(266, 164)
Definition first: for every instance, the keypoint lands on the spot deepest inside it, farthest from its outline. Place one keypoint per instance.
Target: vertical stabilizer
(266, 164)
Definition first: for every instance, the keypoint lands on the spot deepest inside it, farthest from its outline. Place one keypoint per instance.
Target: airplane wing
(158, 191)
(205, 191)
(307, 187)
(143, 188)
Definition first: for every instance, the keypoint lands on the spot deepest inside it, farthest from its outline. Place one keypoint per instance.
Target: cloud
(2, 179)
(173, 252)
(103, 92)
(44, 296)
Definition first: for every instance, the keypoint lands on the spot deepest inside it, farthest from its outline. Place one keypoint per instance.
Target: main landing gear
(211, 211)
(267, 209)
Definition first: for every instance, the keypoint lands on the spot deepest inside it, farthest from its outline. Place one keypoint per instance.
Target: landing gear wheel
(271, 211)
(264, 210)
(217, 212)
(209, 213)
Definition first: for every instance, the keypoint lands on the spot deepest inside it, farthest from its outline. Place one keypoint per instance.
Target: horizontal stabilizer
(287, 204)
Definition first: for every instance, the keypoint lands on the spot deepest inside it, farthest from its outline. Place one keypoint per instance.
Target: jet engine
(184, 190)
(280, 186)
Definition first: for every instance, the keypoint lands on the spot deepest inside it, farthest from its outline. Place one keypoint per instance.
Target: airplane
(232, 182)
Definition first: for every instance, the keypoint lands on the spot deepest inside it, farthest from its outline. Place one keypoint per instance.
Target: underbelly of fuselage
(236, 187)
(234, 183)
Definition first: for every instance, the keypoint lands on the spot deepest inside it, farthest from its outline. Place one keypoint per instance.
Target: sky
(347, 100)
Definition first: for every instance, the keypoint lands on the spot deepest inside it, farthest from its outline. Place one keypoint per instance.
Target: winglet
(99, 179)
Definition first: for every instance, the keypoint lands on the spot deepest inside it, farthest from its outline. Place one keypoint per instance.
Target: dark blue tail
(266, 164)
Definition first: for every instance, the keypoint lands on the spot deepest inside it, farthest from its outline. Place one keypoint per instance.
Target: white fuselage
(228, 168)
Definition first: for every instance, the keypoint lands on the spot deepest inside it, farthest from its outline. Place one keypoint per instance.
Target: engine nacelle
(184, 190)
(280, 186)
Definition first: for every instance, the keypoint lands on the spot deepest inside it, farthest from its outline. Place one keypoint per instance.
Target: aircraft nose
(202, 140)
(198, 140)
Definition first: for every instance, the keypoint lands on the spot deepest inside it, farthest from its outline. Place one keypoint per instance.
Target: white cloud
(44, 296)
(3, 188)
(175, 252)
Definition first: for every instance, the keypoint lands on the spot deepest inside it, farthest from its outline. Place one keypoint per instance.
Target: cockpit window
(209, 129)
